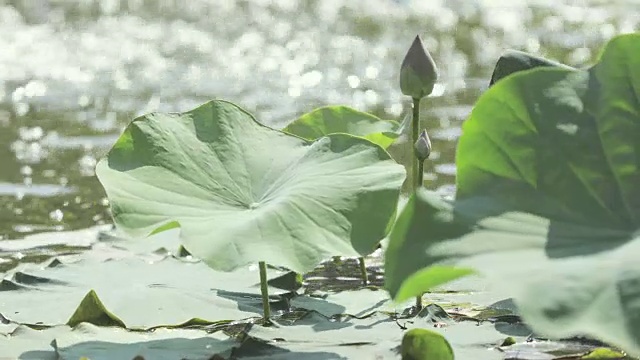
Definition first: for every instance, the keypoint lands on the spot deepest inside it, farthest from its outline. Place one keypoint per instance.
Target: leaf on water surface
(52, 249)
(377, 335)
(513, 61)
(27, 343)
(7, 285)
(7, 328)
(463, 299)
(244, 193)
(290, 281)
(354, 302)
(41, 246)
(162, 244)
(161, 344)
(548, 202)
(92, 310)
(79, 238)
(144, 295)
(134, 293)
(100, 343)
(343, 119)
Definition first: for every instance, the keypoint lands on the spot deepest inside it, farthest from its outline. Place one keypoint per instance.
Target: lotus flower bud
(418, 73)
(422, 344)
(422, 147)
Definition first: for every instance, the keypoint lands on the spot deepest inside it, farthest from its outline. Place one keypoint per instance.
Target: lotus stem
(264, 288)
(420, 181)
(363, 271)
(420, 173)
(418, 303)
(417, 164)
(415, 133)
(418, 76)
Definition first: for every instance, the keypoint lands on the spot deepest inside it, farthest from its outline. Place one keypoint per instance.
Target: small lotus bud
(418, 73)
(422, 147)
(421, 344)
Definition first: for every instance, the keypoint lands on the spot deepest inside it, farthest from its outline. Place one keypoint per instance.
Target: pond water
(74, 73)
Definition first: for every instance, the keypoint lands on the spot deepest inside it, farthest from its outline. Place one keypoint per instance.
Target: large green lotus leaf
(242, 192)
(548, 202)
(343, 119)
(106, 343)
(129, 292)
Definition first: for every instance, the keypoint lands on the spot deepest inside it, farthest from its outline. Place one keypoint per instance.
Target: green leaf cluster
(548, 200)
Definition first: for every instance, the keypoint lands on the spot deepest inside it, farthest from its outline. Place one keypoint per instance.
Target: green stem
(363, 271)
(415, 133)
(417, 166)
(264, 288)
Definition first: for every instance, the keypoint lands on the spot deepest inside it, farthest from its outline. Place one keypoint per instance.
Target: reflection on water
(74, 72)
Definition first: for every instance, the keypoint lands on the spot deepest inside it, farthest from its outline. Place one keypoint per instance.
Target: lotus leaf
(343, 119)
(242, 192)
(548, 202)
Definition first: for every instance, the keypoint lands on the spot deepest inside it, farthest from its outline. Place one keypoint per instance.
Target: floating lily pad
(130, 292)
(376, 336)
(27, 343)
(100, 343)
(354, 302)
